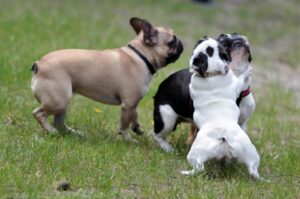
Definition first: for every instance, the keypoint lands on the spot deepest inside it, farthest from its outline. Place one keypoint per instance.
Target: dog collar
(149, 65)
(242, 95)
(212, 74)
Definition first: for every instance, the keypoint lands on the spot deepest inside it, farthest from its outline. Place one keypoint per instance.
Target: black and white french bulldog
(173, 104)
(214, 89)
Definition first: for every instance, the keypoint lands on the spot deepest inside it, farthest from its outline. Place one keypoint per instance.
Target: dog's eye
(172, 42)
(223, 56)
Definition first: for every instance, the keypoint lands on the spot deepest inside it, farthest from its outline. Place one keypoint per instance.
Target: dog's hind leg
(252, 161)
(196, 157)
(59, 122)
(53, 95)
(41, 116)
(247, 154)
(164, 123)
(203, 149)
(196, 161)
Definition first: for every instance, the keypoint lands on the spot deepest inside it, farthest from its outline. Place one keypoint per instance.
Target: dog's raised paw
(188, 173)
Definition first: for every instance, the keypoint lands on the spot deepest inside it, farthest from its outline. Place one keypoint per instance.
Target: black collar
(149, 65)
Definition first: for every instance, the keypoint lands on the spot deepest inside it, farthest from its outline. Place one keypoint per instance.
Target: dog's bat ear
(136, 24)
(150, 33)
(222, 37)
(250, 57)
(198, 42)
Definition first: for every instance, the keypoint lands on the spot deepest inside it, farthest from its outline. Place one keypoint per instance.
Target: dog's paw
(162, 143)
(137, 130)
(125, 134)
(256, 177)
(188, 173)
(248, 72)
(53, 131)
(261, 179)
(167, 148)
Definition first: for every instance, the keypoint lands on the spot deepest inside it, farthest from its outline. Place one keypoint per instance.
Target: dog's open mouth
(240, 51)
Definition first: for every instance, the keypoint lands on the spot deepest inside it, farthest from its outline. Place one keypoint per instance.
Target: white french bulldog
(172, 101)
(214, 89)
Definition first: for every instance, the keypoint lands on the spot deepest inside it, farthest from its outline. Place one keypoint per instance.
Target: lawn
(101, 164)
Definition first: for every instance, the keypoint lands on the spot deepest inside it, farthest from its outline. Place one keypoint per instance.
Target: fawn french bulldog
(118, 76)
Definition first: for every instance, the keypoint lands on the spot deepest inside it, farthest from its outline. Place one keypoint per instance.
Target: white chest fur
(214, 98)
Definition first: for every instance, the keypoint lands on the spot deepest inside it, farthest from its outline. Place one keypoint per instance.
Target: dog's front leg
(135, 126)
(127, 114)
(247, 107)
(244, 80)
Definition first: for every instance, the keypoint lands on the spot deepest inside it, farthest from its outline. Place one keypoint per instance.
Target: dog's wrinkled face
(209, 57)
(237, 47)
(160, 43)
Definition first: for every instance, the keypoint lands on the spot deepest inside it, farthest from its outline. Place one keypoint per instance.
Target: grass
(102, 165)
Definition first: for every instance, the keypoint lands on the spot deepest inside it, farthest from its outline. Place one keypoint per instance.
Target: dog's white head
(209, 58)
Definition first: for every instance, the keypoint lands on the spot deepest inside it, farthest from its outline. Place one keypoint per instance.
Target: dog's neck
(147, 62)
(215, 79)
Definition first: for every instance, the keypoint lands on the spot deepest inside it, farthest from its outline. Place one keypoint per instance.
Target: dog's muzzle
(238, 43)
(172, 57)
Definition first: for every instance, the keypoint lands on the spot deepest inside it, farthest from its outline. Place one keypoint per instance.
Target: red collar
(245, 92)
(242, 95)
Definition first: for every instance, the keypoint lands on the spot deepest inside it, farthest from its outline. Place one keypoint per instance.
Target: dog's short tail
(34, 68)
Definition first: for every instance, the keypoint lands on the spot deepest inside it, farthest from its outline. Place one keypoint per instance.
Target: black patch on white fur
(34, 68)
(210, 51)
(250, 56)
(201, 63)
(158, 122)
(174, 91)
(226, 41)
(223, 54)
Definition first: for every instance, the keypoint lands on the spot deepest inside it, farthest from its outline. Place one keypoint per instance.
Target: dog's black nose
(180, 47)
